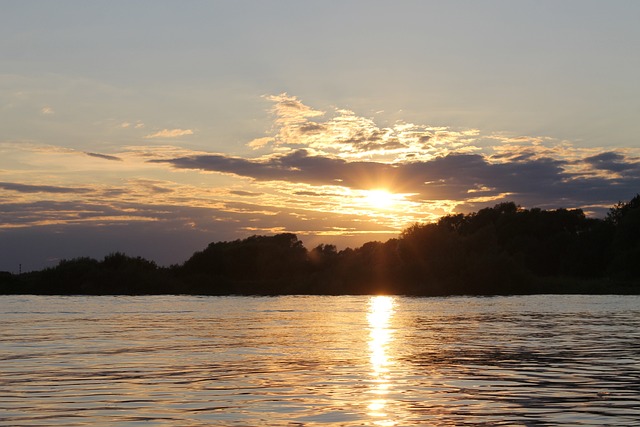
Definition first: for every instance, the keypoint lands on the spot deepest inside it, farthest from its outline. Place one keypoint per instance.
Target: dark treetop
(500, 250)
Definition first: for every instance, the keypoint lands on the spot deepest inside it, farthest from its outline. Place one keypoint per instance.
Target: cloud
(48, 111)
(28, 188)
(245, 193)
(296, 167)
(316, 193)
(344, 133)
(170, 133)
(152, 186)
(290, 110)
(137, 125)
(104, 156)
(43, 246)
(461, 177)
(39, 232)
(260, 142)
(311, 176)
(613, 162)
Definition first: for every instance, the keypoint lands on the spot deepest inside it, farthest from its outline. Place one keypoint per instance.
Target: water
(307, 361)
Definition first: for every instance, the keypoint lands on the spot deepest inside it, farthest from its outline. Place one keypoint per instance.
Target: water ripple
(309, 361)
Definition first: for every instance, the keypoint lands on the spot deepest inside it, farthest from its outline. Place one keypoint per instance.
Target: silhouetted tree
(257, 264)
(503, 249)
(625, 246)
(621, 209)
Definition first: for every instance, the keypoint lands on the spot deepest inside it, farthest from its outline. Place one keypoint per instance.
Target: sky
(155, 127)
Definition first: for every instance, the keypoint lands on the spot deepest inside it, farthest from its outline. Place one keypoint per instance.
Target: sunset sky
(156, 127)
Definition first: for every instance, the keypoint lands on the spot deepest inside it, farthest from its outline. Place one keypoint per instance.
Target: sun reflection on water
(379, 316)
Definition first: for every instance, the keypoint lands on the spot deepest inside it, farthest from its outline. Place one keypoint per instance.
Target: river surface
(310, 361)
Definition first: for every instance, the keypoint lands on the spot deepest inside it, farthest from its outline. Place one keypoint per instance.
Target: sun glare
(380, 199)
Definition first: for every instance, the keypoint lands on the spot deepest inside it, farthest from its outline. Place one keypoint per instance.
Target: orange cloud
(260, 142)
(170, 133)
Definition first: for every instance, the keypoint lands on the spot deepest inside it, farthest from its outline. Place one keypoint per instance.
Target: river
(310, 361)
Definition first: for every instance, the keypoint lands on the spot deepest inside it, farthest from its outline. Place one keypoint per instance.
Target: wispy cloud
(260, 142)
(136, 125)
(170, 133)
(153, 186)
(29, 188)
(104, 156)
(245, 193)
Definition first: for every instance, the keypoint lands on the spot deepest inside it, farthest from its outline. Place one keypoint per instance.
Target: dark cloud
(17, 214)
(612, 161)
(35, 248)
(460, 177)
(113, 192)
(28, 188)
(159, 190)
(297, 166)
(104, 156)
(41, 233)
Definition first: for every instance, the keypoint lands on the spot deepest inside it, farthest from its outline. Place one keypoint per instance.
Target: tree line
(497, 250)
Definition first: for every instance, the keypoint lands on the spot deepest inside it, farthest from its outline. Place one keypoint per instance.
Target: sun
(379, 198)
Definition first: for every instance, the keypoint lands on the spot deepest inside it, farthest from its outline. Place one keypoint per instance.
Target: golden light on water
(379, 317)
